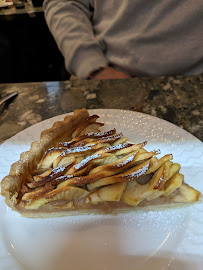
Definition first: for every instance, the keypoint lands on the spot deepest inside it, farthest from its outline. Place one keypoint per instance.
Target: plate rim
(101, 109)
(105, 109)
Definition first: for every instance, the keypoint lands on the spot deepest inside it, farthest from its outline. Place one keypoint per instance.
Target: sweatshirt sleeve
(70, 25)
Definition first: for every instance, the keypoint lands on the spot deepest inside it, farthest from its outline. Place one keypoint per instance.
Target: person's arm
(69, 23)
(108, 73)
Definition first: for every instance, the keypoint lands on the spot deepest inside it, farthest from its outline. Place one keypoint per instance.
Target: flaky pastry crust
(22, 169)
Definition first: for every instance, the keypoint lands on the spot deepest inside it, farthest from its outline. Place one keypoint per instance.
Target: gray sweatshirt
(139, 37)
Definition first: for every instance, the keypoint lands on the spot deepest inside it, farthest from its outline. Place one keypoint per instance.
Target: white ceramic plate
(171, 239)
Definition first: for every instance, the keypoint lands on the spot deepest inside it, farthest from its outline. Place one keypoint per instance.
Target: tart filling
(76, 167)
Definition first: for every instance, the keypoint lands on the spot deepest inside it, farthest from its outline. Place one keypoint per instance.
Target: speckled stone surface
(178, 100)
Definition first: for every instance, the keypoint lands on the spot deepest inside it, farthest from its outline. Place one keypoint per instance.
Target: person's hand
(109, 73)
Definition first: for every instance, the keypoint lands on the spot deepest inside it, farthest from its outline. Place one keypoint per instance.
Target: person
(107, 39)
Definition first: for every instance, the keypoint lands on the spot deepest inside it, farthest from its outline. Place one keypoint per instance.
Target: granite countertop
(176, 99)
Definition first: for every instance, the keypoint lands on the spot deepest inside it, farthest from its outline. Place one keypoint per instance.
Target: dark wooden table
(178, 100)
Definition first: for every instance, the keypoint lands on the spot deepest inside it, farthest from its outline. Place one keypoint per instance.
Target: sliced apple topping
(38, 192)
(69, 155)
(163, 179)
(131, 174)
(103, 167)
(159, 162)
(122, 149)
(91, 127)
(55, 173)
(111, 193)
(91, 135)
(49, 157)
(174, 183)
(60, 194)
(136, 192)
(84, 124)
(41, 176)
(108, 169)
(120, 141)
(186, 194)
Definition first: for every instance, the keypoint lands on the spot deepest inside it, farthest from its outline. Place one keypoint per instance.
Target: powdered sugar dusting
(110, 138)
(126, 161)
(171, 218)
(160, 180)
(100, 134)
(139, 172)
(54, 149)
(118, 147)
(64, 177)
(77, 149)
(58, 169)
(86, 160)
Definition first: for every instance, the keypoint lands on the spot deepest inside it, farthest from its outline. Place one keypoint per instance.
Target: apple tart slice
(75, 168)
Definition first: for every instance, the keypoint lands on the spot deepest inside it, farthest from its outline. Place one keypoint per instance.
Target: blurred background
(28, 52)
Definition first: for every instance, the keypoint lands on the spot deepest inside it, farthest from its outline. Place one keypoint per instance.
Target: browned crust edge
(20, 170)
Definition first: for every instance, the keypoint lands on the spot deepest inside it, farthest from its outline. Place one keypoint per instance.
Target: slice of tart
(75, 168)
